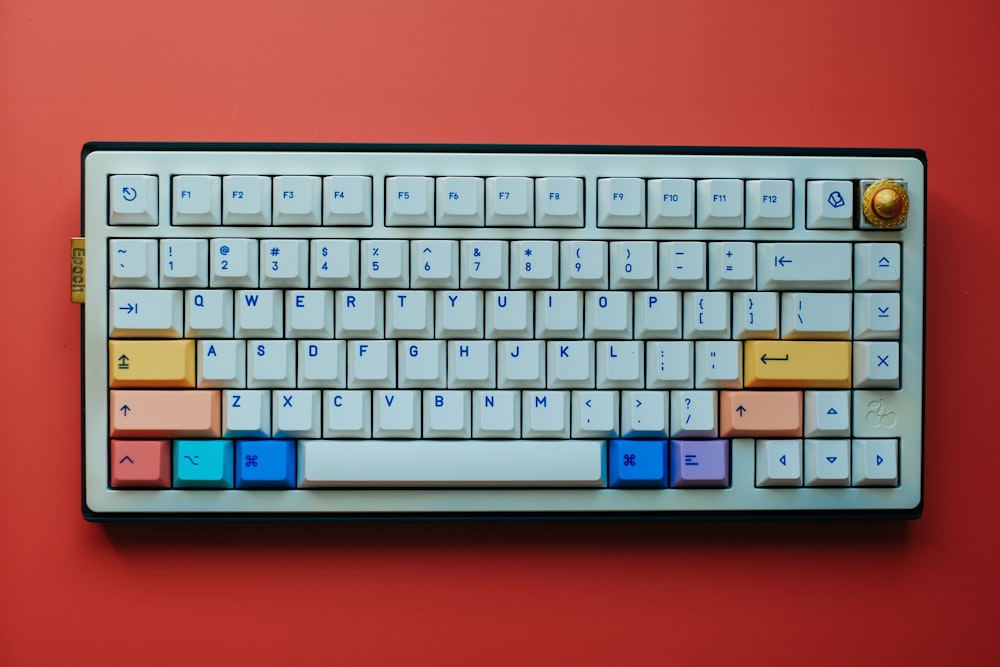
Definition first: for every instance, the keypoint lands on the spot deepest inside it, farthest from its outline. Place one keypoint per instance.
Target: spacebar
(451, 463)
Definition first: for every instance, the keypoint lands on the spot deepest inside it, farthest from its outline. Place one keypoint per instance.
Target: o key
(165, 414)
(751, 414)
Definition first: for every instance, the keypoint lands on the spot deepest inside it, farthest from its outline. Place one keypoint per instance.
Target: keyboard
(332, 331)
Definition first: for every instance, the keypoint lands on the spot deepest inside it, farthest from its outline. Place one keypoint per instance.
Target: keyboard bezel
(101, 503)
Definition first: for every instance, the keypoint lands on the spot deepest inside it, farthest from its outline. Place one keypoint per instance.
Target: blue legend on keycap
(204, 464)
(637, 463)
(265, 464)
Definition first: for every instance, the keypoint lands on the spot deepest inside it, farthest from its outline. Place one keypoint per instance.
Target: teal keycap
(203, 464)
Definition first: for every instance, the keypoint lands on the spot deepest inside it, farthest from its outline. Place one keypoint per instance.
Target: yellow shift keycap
(151, 363)
(785, 363)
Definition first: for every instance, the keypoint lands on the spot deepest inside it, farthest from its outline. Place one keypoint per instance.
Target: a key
(308, 314)
(510, 315)
(371, 363)
(347, 201)
(246, 200)
(184, 263)
(143, 313)
(720, 202)
(296, 413)
(559, 202)
(510, 202)
(422, 363)
(584, 265)
(594, 414)
(385, 264)
(534, 264)
(621, 202)
(334, 263)
(409, 314)
(434, 264)
(296, 200)
(259, 314)
(322, 363)
(682, 265)
(221, 363)
(396, 414)
(347, 414)
(472, 363)
(233, 263)
(133, 200)
(246, 413)
(132, 263)
(409, 201)
(671, 202)
(460, 201)
(284, 263)
(570, 364)
(447, 414)
(607, 315)
(208, 313)
(270, 363)
(620, 364)
(496, 414)
(633, 265)
(545, 414)
(484, 264)
(197, 200)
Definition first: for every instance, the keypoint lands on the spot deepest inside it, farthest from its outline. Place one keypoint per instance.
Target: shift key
(165, 414)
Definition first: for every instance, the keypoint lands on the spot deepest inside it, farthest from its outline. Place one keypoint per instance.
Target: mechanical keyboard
(289, 331)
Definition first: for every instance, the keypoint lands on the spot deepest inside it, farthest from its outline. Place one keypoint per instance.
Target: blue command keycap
(265, 464)
(203, 464)
(637, 464)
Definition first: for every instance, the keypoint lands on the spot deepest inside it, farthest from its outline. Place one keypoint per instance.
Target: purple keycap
(699, 464)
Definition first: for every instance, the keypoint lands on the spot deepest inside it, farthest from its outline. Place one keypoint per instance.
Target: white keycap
(718, 364)
(132, 263)
(633, 265)
(434, 264)
(693, 414)
(595, 414)
(520, 364)
(308, 314)
(221, 363)
(347, 201)
(875, 462)
(755, 315)
(620, 364)
(534, 264)
(460, 201)
(682, 265)
(409, 201)
(458, 314)
(510, 202)
(720, 202)
(645, 413)
(396, 414)
(409, 314)
(385, 263)
(584, 265)
(472, 363)
(670, 364)
(731, 265)
(496, 414)
(447, 414)
(621, 202)
(233, 263)
(347, 414)
(821, 266)
(484, 264)
(184, 263)
(706, 314)
(559, 202)
(570, 364)
(545, 414)
(876, 364)
(246, 413)
(197, 200)
(422, 363)
(145, 313)
(435, 463)
(671, 202)
(816, 315)
(246, 200)
(296, 413)
(779, 462)
(359, 314)
(827, 414)
(133, 200)
(608, 315)
(827, 462)
(510, 315)
(208, 313)
(296, 200)
(829, 204)
(334, 263)
(877, 316)
(657, 315)
(769, 204)
(259, 314)
(876, 266)
(284, 263)
(371, 363)
(322, 363)
(270, 363)
(558, 314)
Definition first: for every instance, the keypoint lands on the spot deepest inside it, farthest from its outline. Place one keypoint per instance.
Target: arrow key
(779, 463)
(875, 462)
(141, 464)
(827, 462)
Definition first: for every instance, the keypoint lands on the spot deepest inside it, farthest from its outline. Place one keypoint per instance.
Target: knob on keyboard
(325, 333)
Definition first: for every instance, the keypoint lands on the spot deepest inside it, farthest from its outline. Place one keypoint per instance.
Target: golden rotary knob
(885, 203)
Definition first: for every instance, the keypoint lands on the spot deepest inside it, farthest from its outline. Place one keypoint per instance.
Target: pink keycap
(140, 464)
(165, 414)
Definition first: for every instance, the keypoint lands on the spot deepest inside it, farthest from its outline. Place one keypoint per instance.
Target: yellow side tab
(151, 363)
(797, 363)
(78, 270)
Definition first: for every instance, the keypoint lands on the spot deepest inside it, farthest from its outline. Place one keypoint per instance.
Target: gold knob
(885, 203)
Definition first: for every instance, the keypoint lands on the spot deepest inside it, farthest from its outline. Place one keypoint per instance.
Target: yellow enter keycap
(797, 363)
(151, 363)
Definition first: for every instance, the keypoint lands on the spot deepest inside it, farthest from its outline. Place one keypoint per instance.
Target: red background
(916, 74)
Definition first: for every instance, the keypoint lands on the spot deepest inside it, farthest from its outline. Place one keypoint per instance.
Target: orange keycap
(750, 414)
(165, 414)
(140, 464)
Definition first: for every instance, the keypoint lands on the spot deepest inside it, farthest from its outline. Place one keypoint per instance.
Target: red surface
(851, 73)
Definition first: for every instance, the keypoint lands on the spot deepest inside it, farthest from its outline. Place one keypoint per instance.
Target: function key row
(465, 201)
